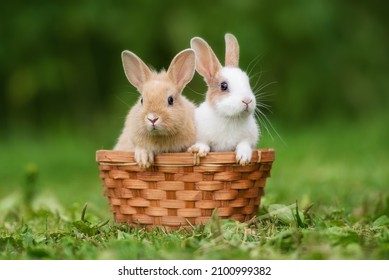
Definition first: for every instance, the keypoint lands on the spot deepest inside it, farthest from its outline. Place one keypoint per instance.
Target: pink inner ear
(207, 63)
(232, 51)
(137, 72)
(182, 68)
(210, 67)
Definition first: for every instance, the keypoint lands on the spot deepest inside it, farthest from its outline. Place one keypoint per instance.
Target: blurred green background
(64, 95)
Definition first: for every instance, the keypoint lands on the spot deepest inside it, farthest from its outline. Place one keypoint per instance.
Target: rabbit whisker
(253, 63)
(259, 74)
(122, 101)
(264, 120)
(195, 92)
(263, 86)
(265, 106)
(264, 95)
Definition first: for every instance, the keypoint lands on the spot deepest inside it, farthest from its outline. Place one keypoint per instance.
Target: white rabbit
(225, 121)
(162, 120)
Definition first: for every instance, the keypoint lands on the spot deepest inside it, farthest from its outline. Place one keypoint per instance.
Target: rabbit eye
(170, 100)
(141, 101)
(224, 86)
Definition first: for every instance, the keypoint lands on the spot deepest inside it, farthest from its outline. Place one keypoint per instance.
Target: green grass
(327, 198)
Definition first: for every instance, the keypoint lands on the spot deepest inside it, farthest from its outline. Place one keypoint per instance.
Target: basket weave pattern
(176, 192)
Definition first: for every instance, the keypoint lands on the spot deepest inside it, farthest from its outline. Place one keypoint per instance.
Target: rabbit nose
(153, 119)
(247, 101)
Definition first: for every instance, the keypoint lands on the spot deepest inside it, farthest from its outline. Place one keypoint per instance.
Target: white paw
(144, 158)
(243, 154)
(199, 149)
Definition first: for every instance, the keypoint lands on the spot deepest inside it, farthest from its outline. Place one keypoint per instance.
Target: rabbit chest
(224, 134)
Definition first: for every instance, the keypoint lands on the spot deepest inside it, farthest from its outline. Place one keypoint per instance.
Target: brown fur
(214, 92)
(175, 130)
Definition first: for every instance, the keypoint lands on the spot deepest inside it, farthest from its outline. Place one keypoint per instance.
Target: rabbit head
(229, 92)
(161, 107)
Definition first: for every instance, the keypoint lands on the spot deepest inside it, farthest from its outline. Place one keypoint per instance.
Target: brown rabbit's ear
(207, 63)
(182, 68)
(137, 72)
(232, 50)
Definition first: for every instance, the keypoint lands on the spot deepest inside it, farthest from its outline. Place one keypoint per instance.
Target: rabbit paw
(199, 149)
(243, 154)
(144, 158)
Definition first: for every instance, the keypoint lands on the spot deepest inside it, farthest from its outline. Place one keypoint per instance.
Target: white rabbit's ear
(182, 68)
(232, 50)
(207, 63)
(137, 72)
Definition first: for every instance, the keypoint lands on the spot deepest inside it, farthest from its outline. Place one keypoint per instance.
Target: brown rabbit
(162, 120)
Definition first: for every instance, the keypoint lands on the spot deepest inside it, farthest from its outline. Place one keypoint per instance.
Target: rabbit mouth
(247, 111)
(244, 111)
(241, 111)
(247, 104)
(153, 129)
(157, 130)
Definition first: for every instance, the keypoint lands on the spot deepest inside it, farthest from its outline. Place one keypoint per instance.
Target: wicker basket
(178, 191)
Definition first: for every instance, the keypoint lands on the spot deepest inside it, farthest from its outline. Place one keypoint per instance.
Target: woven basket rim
(114, 157)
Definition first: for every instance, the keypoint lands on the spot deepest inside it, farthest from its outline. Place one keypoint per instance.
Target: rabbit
(162, 120)
(225, 120)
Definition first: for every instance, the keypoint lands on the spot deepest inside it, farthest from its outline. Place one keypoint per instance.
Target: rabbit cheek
(230, 107)
(217, 100)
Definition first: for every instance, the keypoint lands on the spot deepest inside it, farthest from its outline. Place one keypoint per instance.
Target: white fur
(225, 121)
(239, 89)
(219, 133)
(144, 157)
